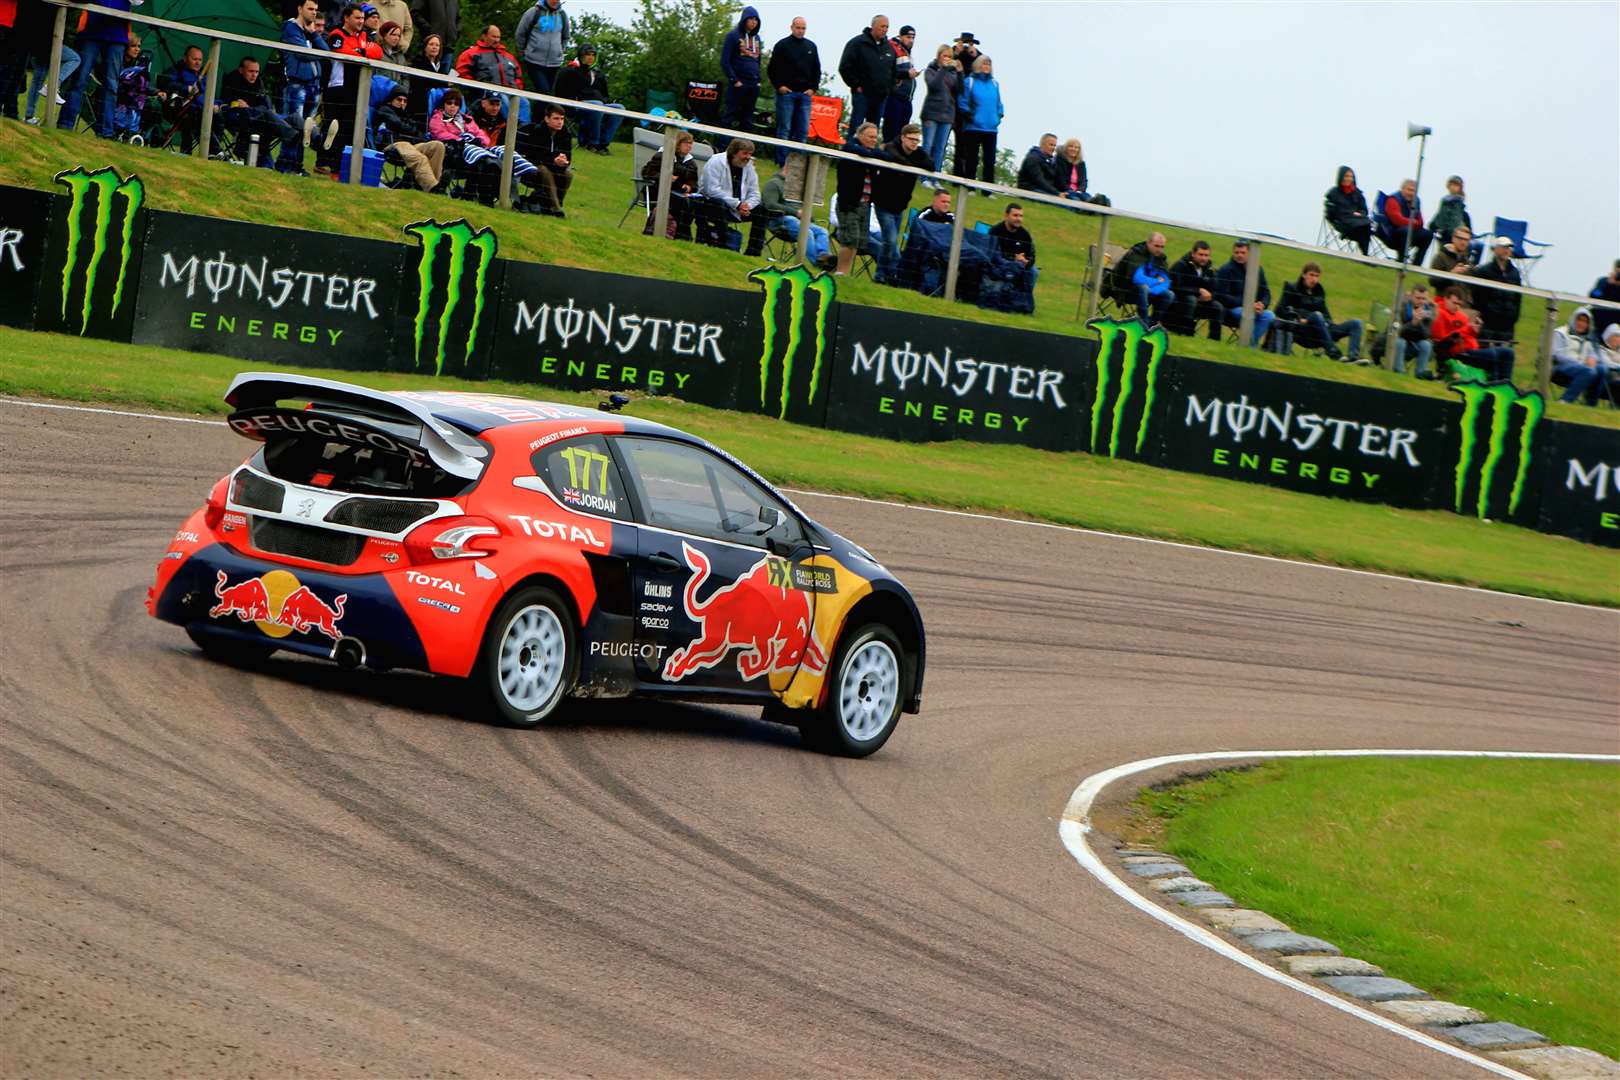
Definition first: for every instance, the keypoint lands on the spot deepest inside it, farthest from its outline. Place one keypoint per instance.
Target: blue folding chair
(1383, 231)
(1515, 231)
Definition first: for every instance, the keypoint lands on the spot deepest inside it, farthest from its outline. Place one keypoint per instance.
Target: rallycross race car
(537, 551)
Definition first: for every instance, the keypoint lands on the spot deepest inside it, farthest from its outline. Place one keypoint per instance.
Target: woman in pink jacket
(472, 149)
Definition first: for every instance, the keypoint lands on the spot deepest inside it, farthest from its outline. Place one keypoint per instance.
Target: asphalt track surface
(301, 871)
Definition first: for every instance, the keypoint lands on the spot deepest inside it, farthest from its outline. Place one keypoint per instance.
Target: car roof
(478, 413)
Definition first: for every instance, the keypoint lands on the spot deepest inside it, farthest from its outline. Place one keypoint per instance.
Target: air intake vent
(380, 515)
(255, 491)
(306, 542)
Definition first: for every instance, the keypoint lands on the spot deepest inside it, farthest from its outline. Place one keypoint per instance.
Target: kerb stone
(1561, 1063)
(1203, 898)
(1430, 1013)
(1181, 884)
(1373, 987)
(1157, 869)
(1289, 943)
(1243, 921)
(1491, 1036)
(1328, 965)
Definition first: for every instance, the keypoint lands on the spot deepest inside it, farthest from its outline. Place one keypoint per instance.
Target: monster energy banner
(448, 300)
(1304, 434)
(581, 330)
(1579, 482)
(921, 380)
(1491, 449)
(798, 320)
(25, 219)
(93, 256)
(1125, 405)
(286, 296)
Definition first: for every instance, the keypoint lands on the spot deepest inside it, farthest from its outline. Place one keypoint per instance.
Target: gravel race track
(301, 871)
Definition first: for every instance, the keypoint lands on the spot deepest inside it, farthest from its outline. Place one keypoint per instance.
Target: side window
(686, 489)
(582, 475)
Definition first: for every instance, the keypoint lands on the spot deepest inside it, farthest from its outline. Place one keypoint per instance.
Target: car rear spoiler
(452, 450)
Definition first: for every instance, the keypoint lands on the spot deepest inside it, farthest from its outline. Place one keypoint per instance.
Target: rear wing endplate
(452, 450)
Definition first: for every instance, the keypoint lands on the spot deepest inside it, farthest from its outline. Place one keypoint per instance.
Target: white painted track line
(1076, 825)
(961, 514)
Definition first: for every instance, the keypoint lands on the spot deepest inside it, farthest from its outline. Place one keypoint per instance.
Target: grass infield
(1070, 489)
(1487, 883)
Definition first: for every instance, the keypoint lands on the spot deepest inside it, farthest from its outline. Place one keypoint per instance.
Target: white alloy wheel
(533, 658)
(868, 690)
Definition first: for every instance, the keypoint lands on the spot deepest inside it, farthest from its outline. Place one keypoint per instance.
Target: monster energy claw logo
(455, 237)
(107, 185)
(799, 283)
(1504, 399)
(1133, 332)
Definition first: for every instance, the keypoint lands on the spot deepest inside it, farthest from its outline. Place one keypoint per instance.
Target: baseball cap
(1503, 241)
(904, 30)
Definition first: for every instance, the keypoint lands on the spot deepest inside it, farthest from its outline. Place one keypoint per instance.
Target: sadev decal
(794, 314)
(1495, 440)
(278, 604)
(1133, 384)
(98, 251)
(761, 613)
(452, 278)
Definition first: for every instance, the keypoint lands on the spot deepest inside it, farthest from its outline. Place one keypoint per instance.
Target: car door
(718, 605)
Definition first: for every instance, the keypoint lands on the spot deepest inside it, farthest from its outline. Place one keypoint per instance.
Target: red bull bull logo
(278, 604)
(772, 623)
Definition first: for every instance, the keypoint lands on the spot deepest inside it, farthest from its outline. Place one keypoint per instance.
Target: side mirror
(770, 517)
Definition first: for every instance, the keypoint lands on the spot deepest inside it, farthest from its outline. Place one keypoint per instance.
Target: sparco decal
(459, 280)
(1484, 441)
(772, 624)
(92, 232)
(1106, 423)
(803, 290)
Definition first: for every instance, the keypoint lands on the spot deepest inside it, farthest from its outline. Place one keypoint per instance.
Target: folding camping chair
(1515, 231)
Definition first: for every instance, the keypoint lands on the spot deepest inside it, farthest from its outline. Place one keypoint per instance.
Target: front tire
(863, 697)
(529, 659)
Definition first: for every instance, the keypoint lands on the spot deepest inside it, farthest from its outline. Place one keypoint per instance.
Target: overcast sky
(1238, 114)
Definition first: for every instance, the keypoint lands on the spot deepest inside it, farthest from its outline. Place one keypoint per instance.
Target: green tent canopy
(245, 17)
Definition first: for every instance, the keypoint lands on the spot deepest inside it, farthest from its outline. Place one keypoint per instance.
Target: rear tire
(864, 695)
(529, 659)
(226, 649)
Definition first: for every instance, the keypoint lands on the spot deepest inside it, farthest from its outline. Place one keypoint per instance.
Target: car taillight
(214, 509)
(452, 538)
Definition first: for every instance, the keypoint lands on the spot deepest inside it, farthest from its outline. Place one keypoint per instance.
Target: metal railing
(821, 159)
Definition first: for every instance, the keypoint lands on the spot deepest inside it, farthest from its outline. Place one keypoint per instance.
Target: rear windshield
(355, 453)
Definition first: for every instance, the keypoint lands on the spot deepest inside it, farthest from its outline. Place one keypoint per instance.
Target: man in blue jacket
(304, 75)
(1229, 291)
(101, 53)
(739, 62)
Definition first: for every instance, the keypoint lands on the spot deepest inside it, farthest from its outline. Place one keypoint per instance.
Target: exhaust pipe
(349, 652)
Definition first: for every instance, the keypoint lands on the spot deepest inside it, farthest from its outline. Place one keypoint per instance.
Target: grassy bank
(1488, 883)
(588, 238)
(1073, 489)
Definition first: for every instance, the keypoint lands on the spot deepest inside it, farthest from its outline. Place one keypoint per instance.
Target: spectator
(782, 221)
(1453, 211)
(390, 37)
(874, 234)
(134, 85)
(739, 63)
(1071, 175)
(897, 106)
(939, 211)
(451, 126)
(489, 113)
(1417, 317)
(1575, 359)
(35, 29)
(1012, 239)
(398, 130)
(302, 75)
(397, 12)
(433, 61)
(867, 68)
(1609, 361)
(943, 81)
(372, 22)
(966, 50)
(982, 110)
(1345, 208)
(582, 81)
(1192, 279)
(1039, 169)
(245, 106)
(551, 148)
(542, 43)
(795, 71)
(101, 56)
(183, 89)
(729, 190)
(891, 196)
(1401, 210)
(441, 17)
(857, 180)
(1498, 308)
(343, 85)
(1149, 293)
(488, 61)
(1454, 339)
(469, 146)
(1607, 288)
(1455, 257)
(682, 188)
(1303, 313)
(1230, 278)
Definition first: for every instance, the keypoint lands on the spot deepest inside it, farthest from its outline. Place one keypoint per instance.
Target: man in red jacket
(1454, 338)
(1400, 211)
(488, 61)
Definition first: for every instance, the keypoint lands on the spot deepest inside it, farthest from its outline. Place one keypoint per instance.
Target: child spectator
(1345, 208)
(1304, 313)
(134, 85)
(1417, 316)
(1453, 211)
(683, 187)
